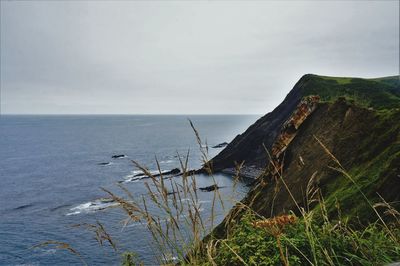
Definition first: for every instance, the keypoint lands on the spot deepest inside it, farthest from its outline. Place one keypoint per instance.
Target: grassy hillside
(340, 178)
(358, 121)
(380, 93)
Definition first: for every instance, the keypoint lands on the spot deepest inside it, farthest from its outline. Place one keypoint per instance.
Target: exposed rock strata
(357, 122)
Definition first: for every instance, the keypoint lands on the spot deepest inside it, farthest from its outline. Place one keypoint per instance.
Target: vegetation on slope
(305, 242)
(350, 149)
(381, 93)
(315, 237)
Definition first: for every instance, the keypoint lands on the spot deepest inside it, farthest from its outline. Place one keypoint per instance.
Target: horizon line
(66, 114)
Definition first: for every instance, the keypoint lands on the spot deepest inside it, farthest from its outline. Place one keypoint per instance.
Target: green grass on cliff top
(378, 93)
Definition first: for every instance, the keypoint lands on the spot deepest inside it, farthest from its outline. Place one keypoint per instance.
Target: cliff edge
(324, 125)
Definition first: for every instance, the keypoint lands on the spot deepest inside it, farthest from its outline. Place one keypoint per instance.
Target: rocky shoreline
(251, 172)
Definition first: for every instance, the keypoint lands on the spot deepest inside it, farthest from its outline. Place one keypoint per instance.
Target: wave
(198, 201)
(93, 206)
(153, 172)
(133, 176)
(171, 260)
(167, 161)
(132, 179)
(59, 207)
(46, 252)
(137, 175)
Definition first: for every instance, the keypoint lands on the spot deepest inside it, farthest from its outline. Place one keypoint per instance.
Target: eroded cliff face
(249, 147)
(302, 140)
(365, 142)
(289, 130)
(290, 127)
(273, 160)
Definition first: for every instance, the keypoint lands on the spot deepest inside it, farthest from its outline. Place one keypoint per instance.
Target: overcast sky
(136, 57)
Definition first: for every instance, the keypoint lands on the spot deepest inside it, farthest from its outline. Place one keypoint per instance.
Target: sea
(53, 169)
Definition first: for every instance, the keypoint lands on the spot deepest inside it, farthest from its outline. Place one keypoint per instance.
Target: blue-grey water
(50, 179)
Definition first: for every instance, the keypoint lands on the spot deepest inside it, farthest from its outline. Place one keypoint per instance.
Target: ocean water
(52, 169)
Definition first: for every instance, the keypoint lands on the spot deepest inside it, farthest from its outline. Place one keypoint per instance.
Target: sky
(184, 57)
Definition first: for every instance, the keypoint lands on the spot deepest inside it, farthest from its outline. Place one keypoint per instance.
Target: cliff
(249, 147)
(324, 123)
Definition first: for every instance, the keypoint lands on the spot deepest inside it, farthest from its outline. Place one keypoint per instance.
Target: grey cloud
(184, 57)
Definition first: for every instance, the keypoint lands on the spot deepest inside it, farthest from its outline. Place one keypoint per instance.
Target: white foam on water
(132, 178)
(132, 174)
(134, 224)
(198, 202)
(92, 206)
(167, 161)
(171, 259)
(204, 201)
(50, 251)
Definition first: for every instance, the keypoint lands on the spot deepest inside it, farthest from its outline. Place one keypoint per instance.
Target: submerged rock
(118, 156)
(23, 206)
(210, 188)
(174, 171)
